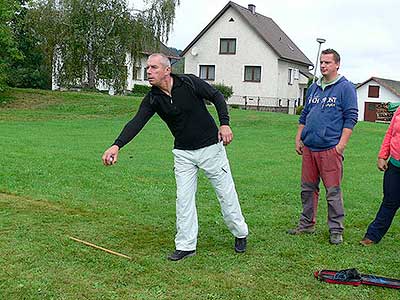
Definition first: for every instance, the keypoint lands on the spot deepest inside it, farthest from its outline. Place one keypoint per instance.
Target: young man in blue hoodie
(325, 126)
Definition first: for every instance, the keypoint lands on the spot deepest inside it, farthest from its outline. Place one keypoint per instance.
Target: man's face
(328, 66)
(156, 72)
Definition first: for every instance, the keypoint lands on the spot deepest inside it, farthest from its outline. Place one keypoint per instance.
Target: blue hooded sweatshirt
(327, 112)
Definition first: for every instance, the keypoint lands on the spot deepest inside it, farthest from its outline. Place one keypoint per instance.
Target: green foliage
(226, 90)
(179, 66)
(299, 109)
(6, 97)
(31, 71)
(8, 49)
(310, 81)
(92, 37)
(53, 185)
(141, 89)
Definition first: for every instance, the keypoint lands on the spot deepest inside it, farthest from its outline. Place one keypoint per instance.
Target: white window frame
(296, 74)
(207, 65)
(290, 76)
(227, 53)
(252, 65)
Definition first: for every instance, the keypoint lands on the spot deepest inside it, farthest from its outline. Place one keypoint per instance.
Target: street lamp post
(320, 41)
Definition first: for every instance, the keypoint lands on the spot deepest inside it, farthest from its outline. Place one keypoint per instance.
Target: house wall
(286, 90)
(251, 50)
(362, 96)
(229, 69)
(140, 80)
(130, 82)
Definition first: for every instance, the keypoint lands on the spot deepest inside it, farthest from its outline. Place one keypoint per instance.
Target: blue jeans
(390, 204)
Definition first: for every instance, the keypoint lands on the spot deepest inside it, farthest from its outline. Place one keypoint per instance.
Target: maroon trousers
(328, 166)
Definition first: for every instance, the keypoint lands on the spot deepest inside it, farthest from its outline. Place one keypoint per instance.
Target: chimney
(252, 8)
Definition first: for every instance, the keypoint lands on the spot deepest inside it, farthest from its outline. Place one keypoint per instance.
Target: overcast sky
(364, 32)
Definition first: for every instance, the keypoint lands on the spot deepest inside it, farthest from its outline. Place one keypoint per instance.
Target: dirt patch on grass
(26, 203)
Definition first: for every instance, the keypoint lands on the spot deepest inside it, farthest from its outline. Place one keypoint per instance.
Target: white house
(373, 94)
(250, 52)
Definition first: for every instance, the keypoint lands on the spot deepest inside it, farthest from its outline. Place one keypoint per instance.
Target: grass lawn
(53, 185)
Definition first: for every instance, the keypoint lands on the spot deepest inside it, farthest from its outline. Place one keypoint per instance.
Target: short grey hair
(163, 59)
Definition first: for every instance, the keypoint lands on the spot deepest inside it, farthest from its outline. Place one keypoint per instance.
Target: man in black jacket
(179, 101)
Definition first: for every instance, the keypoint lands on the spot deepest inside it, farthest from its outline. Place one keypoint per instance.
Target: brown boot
(366, 242)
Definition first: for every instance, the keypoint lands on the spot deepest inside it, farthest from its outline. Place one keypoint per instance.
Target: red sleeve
(384, 152)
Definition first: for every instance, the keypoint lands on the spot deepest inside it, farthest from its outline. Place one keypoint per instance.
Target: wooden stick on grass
(100, 248)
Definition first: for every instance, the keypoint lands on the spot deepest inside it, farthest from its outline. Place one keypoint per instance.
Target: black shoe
(180, 254)
(240, 244)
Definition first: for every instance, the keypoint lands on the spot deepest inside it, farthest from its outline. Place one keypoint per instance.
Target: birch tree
(92, 37)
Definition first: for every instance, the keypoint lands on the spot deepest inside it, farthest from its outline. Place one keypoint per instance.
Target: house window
(296, 74)
(373, 91)
(252, 73)
(290, 76)
(137, 73)
(207, 72)
(145, 74)
(293, 74)
(227, 46)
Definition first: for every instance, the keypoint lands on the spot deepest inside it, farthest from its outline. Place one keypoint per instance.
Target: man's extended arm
(130, 130)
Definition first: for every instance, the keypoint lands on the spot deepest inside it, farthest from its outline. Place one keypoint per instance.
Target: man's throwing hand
(110, 156)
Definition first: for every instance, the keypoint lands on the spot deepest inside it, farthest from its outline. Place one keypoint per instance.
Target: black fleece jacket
(185, 113)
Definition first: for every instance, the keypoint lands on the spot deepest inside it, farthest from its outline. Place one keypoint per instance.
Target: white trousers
(214, 162)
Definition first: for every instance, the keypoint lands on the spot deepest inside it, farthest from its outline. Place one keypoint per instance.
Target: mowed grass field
(53, 186)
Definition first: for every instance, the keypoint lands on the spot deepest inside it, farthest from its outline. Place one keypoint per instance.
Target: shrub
(226, 90)
(141, 89)
(87, 90)
(299, 109)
